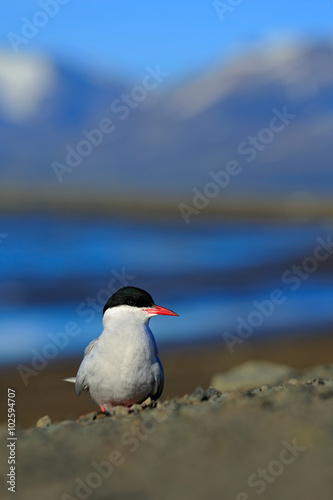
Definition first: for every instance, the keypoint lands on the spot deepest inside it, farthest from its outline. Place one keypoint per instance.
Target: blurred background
(182, 147)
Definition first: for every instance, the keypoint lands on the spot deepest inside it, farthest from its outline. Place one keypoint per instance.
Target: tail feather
(69, 379)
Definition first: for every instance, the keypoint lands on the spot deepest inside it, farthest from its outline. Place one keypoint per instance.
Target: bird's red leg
(103, 409)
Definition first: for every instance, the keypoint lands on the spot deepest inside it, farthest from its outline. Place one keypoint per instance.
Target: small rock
(197, 395)
(43, 422)
(135, 409)
(211, 392)
(120, 411)
(293, 381)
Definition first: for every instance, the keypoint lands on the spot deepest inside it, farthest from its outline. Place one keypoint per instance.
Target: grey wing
(158, 380)
(158, 373)
(81, 382)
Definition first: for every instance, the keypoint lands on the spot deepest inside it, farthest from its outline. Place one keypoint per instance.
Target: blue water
(56, 271)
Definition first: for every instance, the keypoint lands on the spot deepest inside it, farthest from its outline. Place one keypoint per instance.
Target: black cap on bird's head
(130, 296)
(136, 297)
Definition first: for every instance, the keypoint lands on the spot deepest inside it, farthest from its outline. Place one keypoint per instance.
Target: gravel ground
(269, 442)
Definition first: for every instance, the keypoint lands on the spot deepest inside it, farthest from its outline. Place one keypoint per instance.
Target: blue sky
(181, 36)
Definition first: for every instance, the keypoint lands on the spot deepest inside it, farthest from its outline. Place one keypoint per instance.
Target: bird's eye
(130, 302)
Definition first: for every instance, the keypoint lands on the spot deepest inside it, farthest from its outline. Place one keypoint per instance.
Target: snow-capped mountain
(269, 110)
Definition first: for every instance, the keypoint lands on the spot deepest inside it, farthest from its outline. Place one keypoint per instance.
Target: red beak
(160, 310)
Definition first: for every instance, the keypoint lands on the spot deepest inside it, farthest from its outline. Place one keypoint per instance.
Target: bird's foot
(102, 413)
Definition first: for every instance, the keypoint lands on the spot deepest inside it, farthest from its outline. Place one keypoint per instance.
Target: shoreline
(186, 367)
(127, 204)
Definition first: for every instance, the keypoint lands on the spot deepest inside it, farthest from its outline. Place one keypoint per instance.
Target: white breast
(123, 366)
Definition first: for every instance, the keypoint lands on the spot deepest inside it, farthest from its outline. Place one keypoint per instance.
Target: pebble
(136, 409)
(43, 422)
(198, 394)
(211, 392)
(318, 382)
(120, 411)
(293, 381)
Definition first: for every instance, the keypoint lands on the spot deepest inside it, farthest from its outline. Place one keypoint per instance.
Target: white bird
(121, 366)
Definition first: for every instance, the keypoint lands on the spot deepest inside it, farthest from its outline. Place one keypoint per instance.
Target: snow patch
(25, 81)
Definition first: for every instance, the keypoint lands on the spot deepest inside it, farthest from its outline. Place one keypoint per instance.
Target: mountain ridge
(171, 139)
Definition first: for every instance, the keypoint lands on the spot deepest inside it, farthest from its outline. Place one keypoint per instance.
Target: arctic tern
(121, 366)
